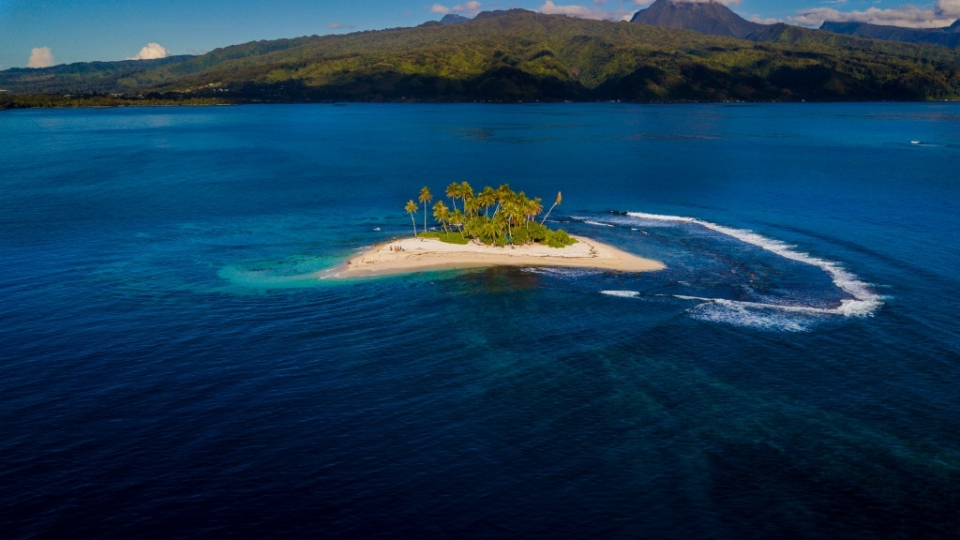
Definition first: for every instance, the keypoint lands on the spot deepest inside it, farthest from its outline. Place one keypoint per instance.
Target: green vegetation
(83, 78)
(495, 217)
(517, 55)
(27, 101)
(448, 237)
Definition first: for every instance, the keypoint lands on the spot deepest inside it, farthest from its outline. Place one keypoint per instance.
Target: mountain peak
(453, 18)
(707, 17)
(492, 14)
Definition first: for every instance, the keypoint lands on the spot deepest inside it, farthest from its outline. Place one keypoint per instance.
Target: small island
(494, 227)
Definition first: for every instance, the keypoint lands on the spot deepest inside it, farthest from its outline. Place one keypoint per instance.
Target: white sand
(420, 254)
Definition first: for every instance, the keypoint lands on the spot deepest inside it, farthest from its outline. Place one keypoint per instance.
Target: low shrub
(520, 236)
(559, 238)
(451, 237)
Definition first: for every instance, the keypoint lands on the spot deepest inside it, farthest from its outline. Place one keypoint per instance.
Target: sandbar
(427, 254)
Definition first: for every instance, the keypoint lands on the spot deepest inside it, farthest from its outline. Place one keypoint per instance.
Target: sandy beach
(421, 254)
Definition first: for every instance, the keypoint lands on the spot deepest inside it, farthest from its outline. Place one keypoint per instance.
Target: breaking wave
(864, 301)
(740, 314)
(561, 272)
(622, 294)
(597, 223)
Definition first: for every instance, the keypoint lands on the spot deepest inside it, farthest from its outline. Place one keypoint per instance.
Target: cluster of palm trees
(494, 216)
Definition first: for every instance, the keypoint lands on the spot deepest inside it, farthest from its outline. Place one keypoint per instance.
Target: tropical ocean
(177, 359)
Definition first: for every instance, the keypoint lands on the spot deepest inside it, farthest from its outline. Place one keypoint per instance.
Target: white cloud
(339, 26)
(942, 13)
(40, 57)
(151, 51)
(948, 8)
(583, 12)
(764, 20)
(469, 8)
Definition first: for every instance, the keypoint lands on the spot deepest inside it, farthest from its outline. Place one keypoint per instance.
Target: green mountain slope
(80, 77)
(948, 36)
(131, 75)
(519, 55)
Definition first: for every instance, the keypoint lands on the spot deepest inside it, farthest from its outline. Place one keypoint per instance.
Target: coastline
(430, 254)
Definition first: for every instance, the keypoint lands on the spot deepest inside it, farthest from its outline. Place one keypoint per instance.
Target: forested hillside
(519, 55)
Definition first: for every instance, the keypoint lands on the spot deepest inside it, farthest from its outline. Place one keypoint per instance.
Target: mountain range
(518, 55)
(948, 36)
(714, 18)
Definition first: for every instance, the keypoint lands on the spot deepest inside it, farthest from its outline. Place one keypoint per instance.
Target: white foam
(863, 304)
(739, 314)
(597, 224)
(561, 272)
(622, 294)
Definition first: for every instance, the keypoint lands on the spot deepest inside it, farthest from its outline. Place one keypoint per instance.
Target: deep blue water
(176, 362)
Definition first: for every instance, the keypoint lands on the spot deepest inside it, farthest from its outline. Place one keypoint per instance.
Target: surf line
(863, 304)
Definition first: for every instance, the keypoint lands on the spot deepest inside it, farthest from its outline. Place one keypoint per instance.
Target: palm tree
(504, 193)
(486, 199)
(411, 209)
(457, 219)
(512, 209)
(425, 197)
(466, 192)
(442, 214)
(534, 207)
(471, 207)
(454, 192)
(521, 202)
(559, 198)
(491, 230)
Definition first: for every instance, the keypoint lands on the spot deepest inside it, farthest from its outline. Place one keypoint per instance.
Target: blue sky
(67, 31)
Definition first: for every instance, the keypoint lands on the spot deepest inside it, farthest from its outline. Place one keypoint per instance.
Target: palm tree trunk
(548, 214)
(414, 221)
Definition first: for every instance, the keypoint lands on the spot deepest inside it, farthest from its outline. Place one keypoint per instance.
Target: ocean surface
(178, 359)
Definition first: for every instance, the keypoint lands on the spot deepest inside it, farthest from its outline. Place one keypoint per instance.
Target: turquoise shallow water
(172, 366)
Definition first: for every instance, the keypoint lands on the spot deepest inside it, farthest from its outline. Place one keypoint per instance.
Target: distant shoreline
(174, 104)
(429, 254)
